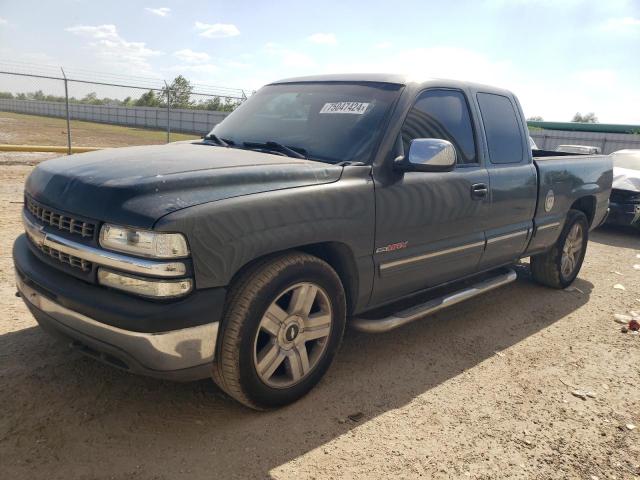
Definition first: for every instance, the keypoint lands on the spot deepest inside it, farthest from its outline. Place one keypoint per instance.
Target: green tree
(586, 118)
(210, 104)
(180, 93)
(148, 99)
(92, 99)
(38, 95)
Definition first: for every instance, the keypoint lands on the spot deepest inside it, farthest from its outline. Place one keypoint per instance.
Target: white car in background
(578, 149)
(624, 203)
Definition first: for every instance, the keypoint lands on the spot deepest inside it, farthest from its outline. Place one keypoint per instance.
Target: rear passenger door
(429, 225)
(512, 179)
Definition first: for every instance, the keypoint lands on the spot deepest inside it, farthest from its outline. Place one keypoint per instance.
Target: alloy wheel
(292, 335)
(571, 250)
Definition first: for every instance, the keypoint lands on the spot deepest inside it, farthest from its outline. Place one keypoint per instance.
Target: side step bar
(420, 311)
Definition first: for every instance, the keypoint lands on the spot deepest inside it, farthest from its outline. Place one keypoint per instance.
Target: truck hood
(138, 185)
(626, 179)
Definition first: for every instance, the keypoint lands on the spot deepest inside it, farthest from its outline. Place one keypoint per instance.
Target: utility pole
(168, 111)
(66, 100)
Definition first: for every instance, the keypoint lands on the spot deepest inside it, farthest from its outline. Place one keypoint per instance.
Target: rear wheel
(559, 267)
(284, 323)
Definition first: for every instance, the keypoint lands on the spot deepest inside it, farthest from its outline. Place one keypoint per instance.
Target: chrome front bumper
(163, 354)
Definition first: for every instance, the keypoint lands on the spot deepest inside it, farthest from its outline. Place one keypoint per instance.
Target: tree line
(180, 95)
(578, 117)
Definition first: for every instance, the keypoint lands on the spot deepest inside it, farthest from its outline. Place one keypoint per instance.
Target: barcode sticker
(357, 108)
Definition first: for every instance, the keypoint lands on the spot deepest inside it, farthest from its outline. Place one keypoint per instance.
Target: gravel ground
(482, 390)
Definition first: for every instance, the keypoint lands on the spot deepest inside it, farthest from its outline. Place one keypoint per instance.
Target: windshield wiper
(276, 147)
(212, 137)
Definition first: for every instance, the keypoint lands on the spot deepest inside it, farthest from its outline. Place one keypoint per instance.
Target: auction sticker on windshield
(345, 107)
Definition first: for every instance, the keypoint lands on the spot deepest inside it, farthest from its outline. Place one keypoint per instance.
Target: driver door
(429, 226)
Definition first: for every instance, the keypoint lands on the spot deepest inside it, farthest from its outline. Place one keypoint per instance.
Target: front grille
(58, 220)
(72, 260)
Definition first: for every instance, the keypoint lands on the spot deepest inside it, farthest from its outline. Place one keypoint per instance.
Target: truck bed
(568, 177)
(552, 153)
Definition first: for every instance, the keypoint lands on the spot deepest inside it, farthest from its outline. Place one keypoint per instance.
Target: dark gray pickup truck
(363, 199)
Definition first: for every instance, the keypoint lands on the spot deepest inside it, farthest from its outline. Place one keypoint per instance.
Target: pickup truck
(369, 200)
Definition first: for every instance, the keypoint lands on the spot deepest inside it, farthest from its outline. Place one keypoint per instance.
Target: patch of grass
(23, 129)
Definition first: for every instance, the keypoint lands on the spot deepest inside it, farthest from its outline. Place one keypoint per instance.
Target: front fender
(226, 235)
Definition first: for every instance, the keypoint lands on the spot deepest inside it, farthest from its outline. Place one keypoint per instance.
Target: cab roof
(392, 78)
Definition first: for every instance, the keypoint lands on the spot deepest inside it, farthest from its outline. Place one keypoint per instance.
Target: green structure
(586, 127)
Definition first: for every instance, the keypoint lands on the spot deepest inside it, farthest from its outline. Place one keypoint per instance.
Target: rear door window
(501, 126)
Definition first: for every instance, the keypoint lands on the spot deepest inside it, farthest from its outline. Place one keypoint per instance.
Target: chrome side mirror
(428, 155)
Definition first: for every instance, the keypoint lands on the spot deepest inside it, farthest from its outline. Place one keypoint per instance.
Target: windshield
(628, 159)
(331, 122)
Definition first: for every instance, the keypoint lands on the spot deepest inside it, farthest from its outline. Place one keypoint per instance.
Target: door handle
(479, 191)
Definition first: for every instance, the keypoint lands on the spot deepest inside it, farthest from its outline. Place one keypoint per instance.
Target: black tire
(234, 368)
(546, 268)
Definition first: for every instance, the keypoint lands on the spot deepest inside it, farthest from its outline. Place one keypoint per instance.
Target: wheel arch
(587, 205)
(337, 254)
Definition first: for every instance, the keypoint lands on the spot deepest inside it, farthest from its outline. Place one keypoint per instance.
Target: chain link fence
(44, 105)
(606, 142)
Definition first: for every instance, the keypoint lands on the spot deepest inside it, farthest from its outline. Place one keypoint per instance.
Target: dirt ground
(482, 390)
(20, 129)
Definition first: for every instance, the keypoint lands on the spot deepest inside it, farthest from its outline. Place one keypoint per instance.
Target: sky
(558, 56)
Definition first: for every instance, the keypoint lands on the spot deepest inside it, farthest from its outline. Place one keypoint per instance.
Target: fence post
(66, 101)
(168, 111)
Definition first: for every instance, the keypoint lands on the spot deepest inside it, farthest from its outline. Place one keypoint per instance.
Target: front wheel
(559, 267)
(282, 328)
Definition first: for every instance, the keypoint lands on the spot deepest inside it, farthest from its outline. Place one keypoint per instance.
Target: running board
(420, 311)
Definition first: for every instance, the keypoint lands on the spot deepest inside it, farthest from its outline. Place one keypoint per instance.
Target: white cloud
(189, 56)
(114, 51)
(383, 45)
(623, 24)
(297, 59)
(217, 30)
(558, 99)
(203, 68)
(161, 12)
(288, 57)
(3, 21)
(97, 31)
(560, 4)
(323, 39)
(235, 64)
(43, 59)
(608, 93)
(435, 62)
(596, 77)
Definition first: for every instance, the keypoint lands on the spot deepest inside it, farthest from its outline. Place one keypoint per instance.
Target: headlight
(143, 286)
(146, 243)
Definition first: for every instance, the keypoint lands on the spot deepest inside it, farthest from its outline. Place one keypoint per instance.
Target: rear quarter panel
(570, 178)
